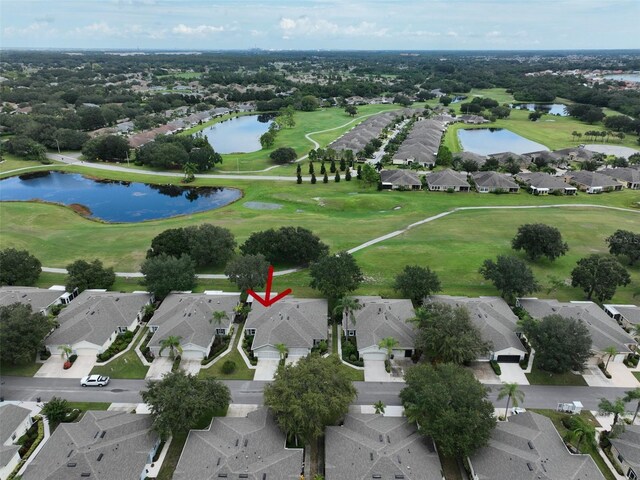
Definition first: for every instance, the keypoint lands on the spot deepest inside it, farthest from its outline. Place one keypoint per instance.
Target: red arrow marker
(267, 301)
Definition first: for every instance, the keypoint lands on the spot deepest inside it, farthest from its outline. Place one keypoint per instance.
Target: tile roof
(252, 446)
(381, 318)
(369, 445)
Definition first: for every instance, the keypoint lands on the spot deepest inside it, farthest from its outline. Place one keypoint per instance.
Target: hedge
(121, 342)
(496, 367)
(34, 445)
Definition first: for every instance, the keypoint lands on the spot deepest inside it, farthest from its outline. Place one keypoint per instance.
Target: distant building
(400, 179)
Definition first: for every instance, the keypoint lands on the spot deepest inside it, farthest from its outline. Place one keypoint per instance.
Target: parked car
(94, 381)
(518, 410)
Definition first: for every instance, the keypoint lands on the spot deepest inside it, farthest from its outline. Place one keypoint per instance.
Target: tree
(306, 397)
(163, 273)
(336, 275)
(83, 275)
(369, 175)
(444, 157)
(190, 170)
(337, 177)
(538, 240)
(510, 275)
(633, 396)
(283, 155)
(449, 405)
(314, 180)
(22, 332)
(416, 283)
(388, 344)
(352, 110)
(209, 245)
(445, 334)
(65, 351)
(105, 148)
(173, 242)
(379, 407)
(579, 431)
(282, 350)
(248, 272)
(346, 307)
(267, 139)
(218, 316)
(534, 116)
(615, 408)
(180, 400)
(172, 343)
(599, 275)
(610, 352)
(347, 175)
(325, 179)
(561, 344)
(309, 103)
(56, 410)
(624, 242)
(511, 392)
(203, 157)
(18, 267)
(286, 245)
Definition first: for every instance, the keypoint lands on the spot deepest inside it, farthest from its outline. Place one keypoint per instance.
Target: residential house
(298, 323)
(251, 447)
(421, 145)
(190, 316)
(378, 319)
(104, 445)
(94, 319)
(447, 181)
(473, 119)
(628, 177)
(41, 300)
(528, 447)
(625, 448)
(544, 184)
(400, 180)
(592, 182)
(628, 316)
(494, 182)
(14, 422)
(603, 330)
(495, 321)
(472, 156)
(574, 154)
(375, 446)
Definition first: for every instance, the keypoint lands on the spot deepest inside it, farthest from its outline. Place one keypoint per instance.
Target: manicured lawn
(27, 370)
(540, 377)
(500, 95)
(450, 467)
(127, 366)
(556, 418)
(637, 375)
(12, 162)
(351, 373)
(242, 372)
(85, 406)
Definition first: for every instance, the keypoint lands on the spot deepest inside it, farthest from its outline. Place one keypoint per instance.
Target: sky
(321, 24)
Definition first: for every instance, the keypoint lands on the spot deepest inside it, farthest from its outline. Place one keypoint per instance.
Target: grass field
(637, 375)
(540, 377)
(127, 366)
(26, 370)
(11, 162)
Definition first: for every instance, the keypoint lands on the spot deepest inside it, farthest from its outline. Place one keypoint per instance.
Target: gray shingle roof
(422, 142)
(604, 330)
(447, 178)
(38, 298)
(628, 444)
(11, 416)
(368, 445)
(296, 322)
(631, 313)
(528, 447)
(94, 316)
(381, 318)
(190, 316)
(123, 450)
(492, 316)
(400, 177)
(544, 180)
(630, 175)
(494, 180)
(592, 179)
(253, 445)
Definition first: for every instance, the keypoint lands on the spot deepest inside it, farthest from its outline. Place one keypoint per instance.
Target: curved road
(220, 276)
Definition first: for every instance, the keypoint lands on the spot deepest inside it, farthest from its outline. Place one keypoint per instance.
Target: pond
(115, 201)
(486, 141)
(625, 77)
(550, 108)
(239, 134)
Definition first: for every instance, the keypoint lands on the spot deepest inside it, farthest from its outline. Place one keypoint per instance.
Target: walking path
(220, 276)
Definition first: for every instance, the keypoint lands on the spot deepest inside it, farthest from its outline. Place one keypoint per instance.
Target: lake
(625, 77)
(550, 108)
(239, 134)
(486, 141)
(115, 201)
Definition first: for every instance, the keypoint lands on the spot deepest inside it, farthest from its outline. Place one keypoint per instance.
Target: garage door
(374, 356)
(508, 358)
(86, 351)
(192, 355)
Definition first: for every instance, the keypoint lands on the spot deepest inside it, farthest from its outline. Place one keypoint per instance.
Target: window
(221, 331)
(250, 332)
(351, 333)
(153, 328)
(122, 329)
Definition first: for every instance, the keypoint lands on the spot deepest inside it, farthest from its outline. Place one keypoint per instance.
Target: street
(250, 392)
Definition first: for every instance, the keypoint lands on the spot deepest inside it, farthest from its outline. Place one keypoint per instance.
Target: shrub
(601, 367)
(45, 354)
(67, 365)
(496, 367)
(524, 363)
(73, 358)
(228, 367)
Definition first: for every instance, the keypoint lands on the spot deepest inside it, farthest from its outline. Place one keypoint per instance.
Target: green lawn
(556, 418)
(500, 95)
(540, 377)
(12, 162)
(127, 366)
(242, 372)
(637, 375)
(85, 406)
(27, 370)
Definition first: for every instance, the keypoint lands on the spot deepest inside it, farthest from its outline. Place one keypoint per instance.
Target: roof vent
(117, 299)
(530, 467)
(85, 474)
(376, 475)
(399, 460)
(243, 475)
(399, 476)
(103, 434)
(100, 456)
(388, 439)
(222, 475)
(72, 450)
(264, 476)
(71, 464)
(246, 440)
(530, 444)
(380, 438)
(237, 441)
(371, 456)
(218, 462)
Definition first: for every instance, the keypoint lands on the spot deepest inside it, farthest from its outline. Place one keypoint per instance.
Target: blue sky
(321, 24)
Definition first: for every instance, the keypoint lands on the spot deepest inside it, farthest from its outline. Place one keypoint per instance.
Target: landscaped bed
(127, 366)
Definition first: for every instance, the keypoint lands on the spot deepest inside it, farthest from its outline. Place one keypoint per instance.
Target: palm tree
(347, 306)
(388, 344)
(513, 394)
(379, 406)
(581, 430)
(636, 330)
(282, 350)
(615, 408)
(610, 352)
(630, 396)
(190, 169)
(218, 316)
(173, 344)
(66, 351)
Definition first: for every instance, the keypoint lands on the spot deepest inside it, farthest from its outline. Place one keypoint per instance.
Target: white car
(94, 381)
(518, 410)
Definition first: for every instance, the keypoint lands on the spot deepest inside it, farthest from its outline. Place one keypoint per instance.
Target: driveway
(374, 371)
(52, 368)
(190, 366)
(484, 373)
(512, 373)
(622, 376)
(159, 367)
(266, 369)
(595, 378)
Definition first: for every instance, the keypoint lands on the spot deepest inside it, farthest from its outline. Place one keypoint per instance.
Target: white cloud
(99, 28)
(493, 34)
(35, 28)
(197, 31)
(451, 33)
(305, 26)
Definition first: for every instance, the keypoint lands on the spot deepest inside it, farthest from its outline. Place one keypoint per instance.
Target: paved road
(250, 392)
